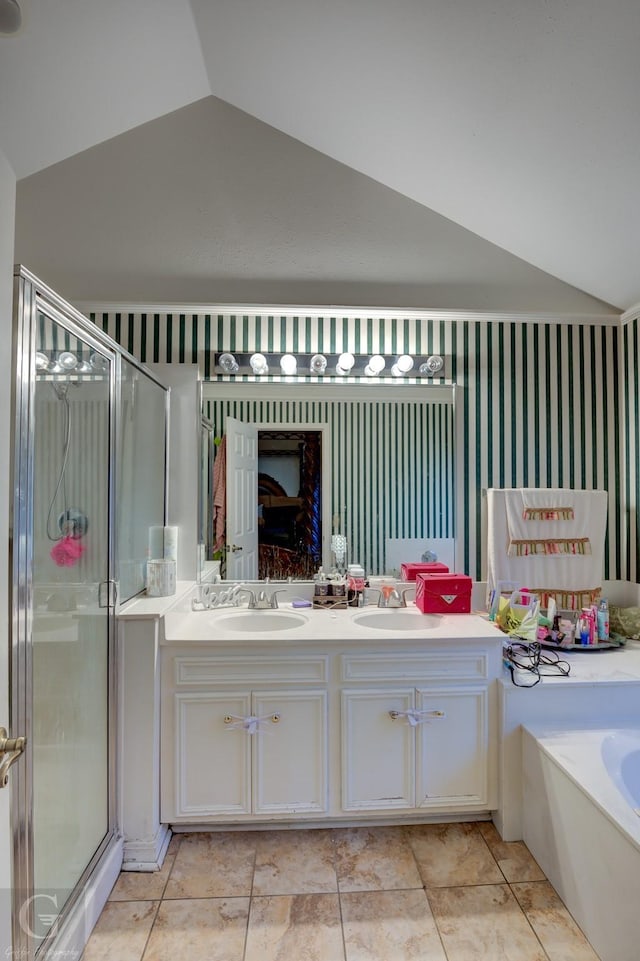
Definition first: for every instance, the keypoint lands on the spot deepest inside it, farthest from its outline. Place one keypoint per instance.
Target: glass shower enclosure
(68, 377)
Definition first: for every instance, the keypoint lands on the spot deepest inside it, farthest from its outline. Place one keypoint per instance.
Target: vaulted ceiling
(449, 153)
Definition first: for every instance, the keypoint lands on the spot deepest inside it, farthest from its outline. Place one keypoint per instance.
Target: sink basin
(255, 621)
(396, 620)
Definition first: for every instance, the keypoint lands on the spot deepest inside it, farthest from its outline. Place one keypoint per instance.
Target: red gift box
(408, 571)
(443, 593)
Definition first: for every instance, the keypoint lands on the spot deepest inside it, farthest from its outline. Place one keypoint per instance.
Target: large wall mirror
(292, 464)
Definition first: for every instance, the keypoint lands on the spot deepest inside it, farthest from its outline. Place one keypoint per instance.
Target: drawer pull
(415, 717)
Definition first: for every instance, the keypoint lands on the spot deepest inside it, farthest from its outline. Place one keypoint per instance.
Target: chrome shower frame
(32, 297)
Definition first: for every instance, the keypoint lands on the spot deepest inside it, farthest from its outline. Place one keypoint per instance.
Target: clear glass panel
(70, 630)
(140, 491)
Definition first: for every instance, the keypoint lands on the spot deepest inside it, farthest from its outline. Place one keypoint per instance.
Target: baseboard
(146, 855)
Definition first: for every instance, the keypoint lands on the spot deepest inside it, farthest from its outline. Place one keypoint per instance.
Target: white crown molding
(332, 310)
(633, 313)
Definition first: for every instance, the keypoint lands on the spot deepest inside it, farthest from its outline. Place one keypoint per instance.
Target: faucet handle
(252, 596)
(274, 599)
(404, 592)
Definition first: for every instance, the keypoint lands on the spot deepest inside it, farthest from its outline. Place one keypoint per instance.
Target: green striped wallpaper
(538, 406)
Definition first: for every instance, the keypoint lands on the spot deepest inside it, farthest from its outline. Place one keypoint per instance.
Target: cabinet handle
(250, 724)
(415, 717)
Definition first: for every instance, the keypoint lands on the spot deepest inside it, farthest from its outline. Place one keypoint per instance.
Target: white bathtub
(621, 756)
(582, 824)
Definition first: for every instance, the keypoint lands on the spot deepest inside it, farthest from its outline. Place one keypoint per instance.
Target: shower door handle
(107, 593)
(10, 750)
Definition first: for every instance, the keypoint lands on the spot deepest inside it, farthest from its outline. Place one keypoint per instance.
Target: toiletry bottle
(582, 630)
(603, 620)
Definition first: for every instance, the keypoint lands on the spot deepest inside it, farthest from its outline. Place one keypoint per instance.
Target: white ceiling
(515, 119)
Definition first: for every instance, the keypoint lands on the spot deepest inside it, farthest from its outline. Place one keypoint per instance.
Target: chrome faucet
(391, 597)
(262, 601)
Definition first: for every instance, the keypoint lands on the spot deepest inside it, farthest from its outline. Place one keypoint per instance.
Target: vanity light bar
(389, 366)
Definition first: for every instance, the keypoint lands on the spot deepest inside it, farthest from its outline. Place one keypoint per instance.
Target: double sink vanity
(302, 715)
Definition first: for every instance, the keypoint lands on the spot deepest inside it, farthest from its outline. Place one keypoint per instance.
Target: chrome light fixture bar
(329, 366)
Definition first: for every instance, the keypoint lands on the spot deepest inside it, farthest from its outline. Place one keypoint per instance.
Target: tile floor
(436, 892)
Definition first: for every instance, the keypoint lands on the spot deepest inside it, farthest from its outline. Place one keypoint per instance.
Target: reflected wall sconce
(339, 548)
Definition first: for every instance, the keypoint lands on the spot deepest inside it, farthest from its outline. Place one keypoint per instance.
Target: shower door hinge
(107, 593)
(10, 750)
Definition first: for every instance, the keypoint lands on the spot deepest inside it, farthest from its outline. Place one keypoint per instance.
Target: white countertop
(618, 665)
(144, 607)
(324, 625)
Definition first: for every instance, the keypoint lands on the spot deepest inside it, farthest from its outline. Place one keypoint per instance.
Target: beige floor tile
(121, 932)
(295, 927)
(213, 865)
(450, 855)
(483, 921)
(174, 843)
(142, 885)
(294, 862)
(370, 859)
(561, 937)
(199, 930)
(390, 926)
(514, 858)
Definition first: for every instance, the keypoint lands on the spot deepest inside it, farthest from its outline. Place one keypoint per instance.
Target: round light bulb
(318, 364)
(98, 362)
(258, 363)
(288, 364)
(228, 363)
(345, 363)
(42, 361)
(402, 366)
(67, 360)
(431, 365)
(375, 366)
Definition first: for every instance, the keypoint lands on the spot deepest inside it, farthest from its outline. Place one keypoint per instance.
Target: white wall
(184, 458)
(7, 215)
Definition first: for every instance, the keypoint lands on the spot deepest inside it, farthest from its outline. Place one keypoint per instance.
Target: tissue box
(408, 572)
(443, 593)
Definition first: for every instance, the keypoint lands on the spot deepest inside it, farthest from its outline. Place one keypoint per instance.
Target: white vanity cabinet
(415, 749)
(233, 750)
(336, 730)
(427, 746)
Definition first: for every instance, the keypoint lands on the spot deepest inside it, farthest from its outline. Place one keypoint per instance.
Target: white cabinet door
(212, 761)
(452, 747)
(290, 752)
(378, 751)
